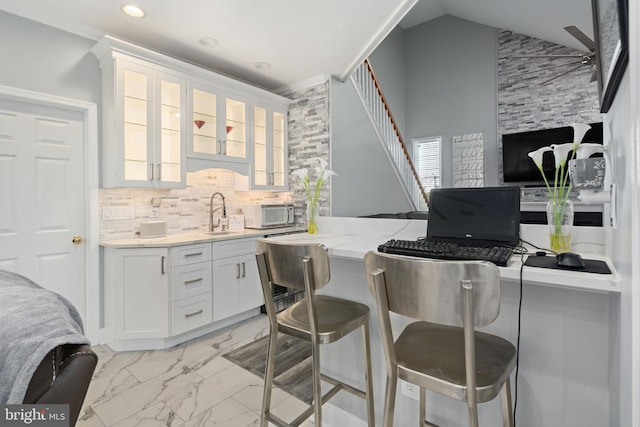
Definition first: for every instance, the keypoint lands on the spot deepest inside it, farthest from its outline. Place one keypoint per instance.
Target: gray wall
(388, 63)
(451, 69)
(365, 183)
(43, 59)
(618, 126)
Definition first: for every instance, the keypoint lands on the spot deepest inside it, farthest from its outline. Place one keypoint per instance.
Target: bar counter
(567, 332)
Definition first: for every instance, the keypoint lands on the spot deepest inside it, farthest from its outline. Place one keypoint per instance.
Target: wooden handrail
(396, 130)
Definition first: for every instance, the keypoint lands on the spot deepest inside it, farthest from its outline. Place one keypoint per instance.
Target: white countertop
(196, 237)
(352, 238)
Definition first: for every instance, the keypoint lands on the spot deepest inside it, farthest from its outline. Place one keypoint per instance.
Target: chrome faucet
(211, 211)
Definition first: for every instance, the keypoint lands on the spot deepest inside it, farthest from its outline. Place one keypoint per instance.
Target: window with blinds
(426, 157)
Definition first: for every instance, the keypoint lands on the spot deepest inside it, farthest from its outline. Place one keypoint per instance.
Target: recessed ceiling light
(133, 11)
(261, 65)
(208, 41)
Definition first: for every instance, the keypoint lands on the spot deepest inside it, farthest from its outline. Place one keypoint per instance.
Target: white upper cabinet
(163, 117)
(270, 171)
(144, 133)
(218, 125)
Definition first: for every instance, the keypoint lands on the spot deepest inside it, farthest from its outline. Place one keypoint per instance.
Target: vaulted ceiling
(280, 43)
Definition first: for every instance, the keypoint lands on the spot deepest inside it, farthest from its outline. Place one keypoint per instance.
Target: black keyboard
(498, 255)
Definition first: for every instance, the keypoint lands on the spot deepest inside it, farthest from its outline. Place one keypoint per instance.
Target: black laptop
(484, 216)
(467, 224)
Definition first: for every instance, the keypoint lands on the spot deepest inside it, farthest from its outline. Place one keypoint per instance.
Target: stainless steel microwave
(267, 216)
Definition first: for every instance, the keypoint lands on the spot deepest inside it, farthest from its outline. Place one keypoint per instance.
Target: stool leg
(423, 406)
(390, 398)
(268, 378)
(371, 415)
(507, 411)
(317, 389)
(473, 415)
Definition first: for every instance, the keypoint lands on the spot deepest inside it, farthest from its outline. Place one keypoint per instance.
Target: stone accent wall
(309, 136)
(525, 103)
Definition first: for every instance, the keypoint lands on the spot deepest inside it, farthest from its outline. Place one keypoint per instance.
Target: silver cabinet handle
(159, 172)
(243, 270)
(162, 264)
(218, 147)
(189, 282)
(151, 167)
(237, 271)
(195, 313)
(193, 254)
(224, 147)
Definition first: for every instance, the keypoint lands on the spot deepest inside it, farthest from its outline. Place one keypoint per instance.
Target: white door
(42, 197)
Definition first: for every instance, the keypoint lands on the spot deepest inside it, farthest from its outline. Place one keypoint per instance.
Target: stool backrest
(433, 291)
(284, 263)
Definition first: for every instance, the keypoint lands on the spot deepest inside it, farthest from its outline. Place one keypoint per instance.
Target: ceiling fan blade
(582, 37)
(594, 75)
(560, 75)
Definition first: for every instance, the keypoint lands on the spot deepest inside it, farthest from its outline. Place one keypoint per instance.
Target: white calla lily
(301, 173)
(329, 172)
(313, 191)
(586, 150)
(579, 130)
(560, 153)
(537, 155)
(559, 193)
(323, 162)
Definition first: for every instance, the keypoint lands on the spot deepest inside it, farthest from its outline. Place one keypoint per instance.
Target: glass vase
(312, 218)
(560, 220)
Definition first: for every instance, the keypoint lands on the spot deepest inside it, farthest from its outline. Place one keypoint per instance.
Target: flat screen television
(517, 166)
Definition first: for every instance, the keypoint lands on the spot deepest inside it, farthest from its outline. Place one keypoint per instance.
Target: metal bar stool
(442, 352)
(319, 319)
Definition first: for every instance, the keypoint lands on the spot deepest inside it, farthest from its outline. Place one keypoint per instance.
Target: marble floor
(187, 385)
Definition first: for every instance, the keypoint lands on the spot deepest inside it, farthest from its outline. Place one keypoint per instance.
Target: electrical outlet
(411, 390)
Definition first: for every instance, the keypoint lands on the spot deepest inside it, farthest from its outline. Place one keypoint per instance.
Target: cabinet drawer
(191, 313)
(229, 248)
(190, 280)
(190, 254)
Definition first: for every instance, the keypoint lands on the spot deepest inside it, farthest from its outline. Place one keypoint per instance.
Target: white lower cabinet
(158, 292)
(137, 292)
(191, 298)
(236, 284)
(153, 295)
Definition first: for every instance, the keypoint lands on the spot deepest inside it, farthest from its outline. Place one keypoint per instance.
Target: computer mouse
(569, 260)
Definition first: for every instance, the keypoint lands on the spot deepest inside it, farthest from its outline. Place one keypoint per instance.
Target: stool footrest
(344, 386)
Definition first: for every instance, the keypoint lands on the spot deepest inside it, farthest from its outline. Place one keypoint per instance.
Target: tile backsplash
(185, 210)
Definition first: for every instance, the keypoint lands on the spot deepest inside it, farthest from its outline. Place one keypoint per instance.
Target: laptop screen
(475, 214)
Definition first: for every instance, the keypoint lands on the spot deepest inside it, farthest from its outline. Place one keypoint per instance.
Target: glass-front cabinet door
(219, 125)
(150, 111)
(269, 149)
(278, 177)
(171, 151)
(138, 147)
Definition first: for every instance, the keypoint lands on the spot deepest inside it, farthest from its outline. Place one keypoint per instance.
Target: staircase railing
(379, 113)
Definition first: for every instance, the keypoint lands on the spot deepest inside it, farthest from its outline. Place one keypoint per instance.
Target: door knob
(76, 240)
